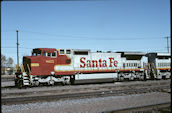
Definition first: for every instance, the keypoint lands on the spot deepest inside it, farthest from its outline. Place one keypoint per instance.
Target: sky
(105, 25)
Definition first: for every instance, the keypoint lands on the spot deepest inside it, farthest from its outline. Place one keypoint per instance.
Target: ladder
(154, 70)
(150, 70)
(26, 78)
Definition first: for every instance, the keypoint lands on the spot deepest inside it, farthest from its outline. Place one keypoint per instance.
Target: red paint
(46, 68)
(82, 61)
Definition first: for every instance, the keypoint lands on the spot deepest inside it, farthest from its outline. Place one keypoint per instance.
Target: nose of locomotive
(27, 63)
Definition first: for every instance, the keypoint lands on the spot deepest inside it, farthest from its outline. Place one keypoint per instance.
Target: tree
(3, 61)
(9, 62)
(6, 65)
(3, 64)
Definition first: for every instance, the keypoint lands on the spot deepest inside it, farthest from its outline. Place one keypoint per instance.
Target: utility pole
(167, 45)
(17, 52)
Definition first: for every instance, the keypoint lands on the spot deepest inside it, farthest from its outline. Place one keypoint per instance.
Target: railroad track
(53, 95)
(79, 88)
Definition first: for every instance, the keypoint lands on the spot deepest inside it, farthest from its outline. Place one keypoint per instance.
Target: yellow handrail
(28, 68)
(22, 68)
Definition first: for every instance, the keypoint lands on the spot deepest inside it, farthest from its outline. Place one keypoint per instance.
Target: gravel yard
(90, 105)
(85, 87)
(86, 105)
(7, 83)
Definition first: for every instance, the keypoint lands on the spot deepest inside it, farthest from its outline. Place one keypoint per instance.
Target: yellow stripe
(49, 61)
(34, 64)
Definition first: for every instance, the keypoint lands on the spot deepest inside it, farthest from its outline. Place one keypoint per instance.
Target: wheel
(121, 78)
(67, 82)
(20, 84)
(142, 77)
(62, 83)
(132, 78)
(72, 80)
(16, 82)
(51, 82)
(37, 83)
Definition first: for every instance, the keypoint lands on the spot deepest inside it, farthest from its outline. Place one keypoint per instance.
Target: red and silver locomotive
(67, 66)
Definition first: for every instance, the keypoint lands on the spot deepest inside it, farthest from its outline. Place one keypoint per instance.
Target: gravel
(90, 105)
(7, 83)
(47, 88)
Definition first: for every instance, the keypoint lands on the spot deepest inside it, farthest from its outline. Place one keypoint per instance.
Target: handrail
(28, 68)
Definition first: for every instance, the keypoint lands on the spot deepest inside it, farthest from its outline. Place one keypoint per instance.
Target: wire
(92, 38)
(71, 37)
(15, 47)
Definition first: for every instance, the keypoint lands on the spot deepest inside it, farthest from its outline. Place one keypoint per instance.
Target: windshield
(36, 52)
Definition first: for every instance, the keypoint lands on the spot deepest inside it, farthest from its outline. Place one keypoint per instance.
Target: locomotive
(67, 66)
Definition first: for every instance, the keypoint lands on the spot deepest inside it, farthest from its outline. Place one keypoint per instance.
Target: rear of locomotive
(158, 66)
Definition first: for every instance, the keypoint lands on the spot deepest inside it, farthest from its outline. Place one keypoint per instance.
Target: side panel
(97, 62)
(64, 68)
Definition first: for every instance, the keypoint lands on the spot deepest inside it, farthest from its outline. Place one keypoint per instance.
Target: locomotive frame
(66, 66)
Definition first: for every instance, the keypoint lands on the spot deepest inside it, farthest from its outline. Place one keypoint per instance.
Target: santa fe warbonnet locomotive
(67, 66)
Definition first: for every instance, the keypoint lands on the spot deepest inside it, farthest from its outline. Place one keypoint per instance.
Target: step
(26, 84)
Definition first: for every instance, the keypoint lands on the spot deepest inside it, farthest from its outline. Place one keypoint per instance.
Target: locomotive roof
(51, 50)
(81, 50)
(131, 53)
(161, 54)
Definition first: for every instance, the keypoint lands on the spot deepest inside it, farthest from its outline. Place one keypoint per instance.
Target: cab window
(44, 53)
(49, 54)
(54, 54)
(36, 52)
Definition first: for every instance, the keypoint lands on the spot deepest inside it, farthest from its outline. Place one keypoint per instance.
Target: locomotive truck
(68, 66)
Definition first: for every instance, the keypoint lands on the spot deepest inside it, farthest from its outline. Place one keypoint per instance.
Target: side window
(61, 51)
(124, 65)
(38, 54)
(135, 64)
(49, 54)
(54, 54)
(68, 51)
(44, 53)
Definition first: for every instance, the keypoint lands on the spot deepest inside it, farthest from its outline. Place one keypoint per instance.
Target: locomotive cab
(33, 65)
(38, 66)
